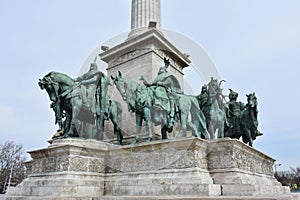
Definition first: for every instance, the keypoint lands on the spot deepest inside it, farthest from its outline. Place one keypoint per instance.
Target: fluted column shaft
(142, 12)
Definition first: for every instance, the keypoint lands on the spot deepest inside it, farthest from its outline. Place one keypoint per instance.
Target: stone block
(189, 168)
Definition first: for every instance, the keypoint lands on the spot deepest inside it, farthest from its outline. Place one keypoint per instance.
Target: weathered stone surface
(241, 169)
(176, 167)
(234, 154)
(189, 168)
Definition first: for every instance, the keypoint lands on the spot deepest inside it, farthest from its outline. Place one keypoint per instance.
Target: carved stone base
(183, 168)
(241, 169)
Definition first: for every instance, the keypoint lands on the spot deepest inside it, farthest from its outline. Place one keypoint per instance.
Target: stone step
(164, 189)
(178, 197)
(159, 180)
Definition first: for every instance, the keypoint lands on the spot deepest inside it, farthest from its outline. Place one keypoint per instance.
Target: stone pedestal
(242, 170)
(187, 168)
(177, 167)
(69, 167)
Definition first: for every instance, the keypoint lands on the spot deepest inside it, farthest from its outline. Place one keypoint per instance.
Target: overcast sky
(254, 45)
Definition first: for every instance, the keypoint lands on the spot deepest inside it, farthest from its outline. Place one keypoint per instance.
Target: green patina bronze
(211, 103)
(242, 119)
(162, 102)
(81, 105)
(233, 113)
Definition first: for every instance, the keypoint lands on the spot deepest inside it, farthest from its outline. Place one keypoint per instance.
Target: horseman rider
(205, 103)
(234, 111)
(94, 88)
(171, 84)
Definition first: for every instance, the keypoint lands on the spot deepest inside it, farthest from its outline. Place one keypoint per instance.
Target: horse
(217, 116)
(140, 100)
(66, 96)
(248, 122)
(115, 116)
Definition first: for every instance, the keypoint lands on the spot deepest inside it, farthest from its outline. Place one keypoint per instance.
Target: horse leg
(201, 125)
(117, 129)
(211, 130)
(119, 123)
(220, 133)
(117, 132)
(250, 138)
(221, 129)
(164, 135)
(100, 127)
(183, 121)
(119, 137)
(164, 126)
(148, 123)
(67, 123)
(194, 128)
(194, 125)
(116, 118)
(247, 137)
(75, 124)
(138, 121)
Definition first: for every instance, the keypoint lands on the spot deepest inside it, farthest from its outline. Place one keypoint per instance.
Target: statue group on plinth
(82, 104)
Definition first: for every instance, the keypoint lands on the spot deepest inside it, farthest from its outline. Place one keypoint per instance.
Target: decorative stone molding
(129, 56)
(166, 54)
(77, 168)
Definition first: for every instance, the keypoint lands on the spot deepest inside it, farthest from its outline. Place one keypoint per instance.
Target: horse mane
(131, 84)
(59, 73)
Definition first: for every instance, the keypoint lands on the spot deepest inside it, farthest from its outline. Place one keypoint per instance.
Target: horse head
(252, 107)
(51, 88)
(252, 100)
(42, 83)
(214, 87)
(121, 85)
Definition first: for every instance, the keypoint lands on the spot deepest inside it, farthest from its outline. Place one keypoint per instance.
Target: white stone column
(143, 12)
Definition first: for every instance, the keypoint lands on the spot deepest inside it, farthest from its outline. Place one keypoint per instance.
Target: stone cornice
(143, 41)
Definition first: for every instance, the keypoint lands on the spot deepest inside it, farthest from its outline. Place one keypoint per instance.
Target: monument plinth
(77, 168)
